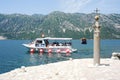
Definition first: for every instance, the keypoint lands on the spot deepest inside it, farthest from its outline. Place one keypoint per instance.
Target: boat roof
(49, 38)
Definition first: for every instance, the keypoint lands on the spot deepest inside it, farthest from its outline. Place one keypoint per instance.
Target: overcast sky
(68, 6)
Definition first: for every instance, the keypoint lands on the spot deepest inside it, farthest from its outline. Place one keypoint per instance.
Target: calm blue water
(14, 55)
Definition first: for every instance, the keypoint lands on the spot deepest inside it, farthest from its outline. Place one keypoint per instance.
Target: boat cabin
(45, 42)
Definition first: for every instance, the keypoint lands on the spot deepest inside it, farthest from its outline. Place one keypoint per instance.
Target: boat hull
(51, 49)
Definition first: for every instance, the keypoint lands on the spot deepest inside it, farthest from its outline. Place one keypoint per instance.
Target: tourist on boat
(46, 42)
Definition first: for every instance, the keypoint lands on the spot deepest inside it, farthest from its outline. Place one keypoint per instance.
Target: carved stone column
(96, 41)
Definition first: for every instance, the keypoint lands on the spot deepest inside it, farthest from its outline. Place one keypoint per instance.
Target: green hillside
(58, 24)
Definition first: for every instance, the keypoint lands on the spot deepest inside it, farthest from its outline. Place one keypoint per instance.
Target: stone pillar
(96, 41)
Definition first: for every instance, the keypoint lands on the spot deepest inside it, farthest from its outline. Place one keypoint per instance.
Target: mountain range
(58, 24)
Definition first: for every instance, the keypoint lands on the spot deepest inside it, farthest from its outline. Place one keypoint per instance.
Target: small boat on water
(83, 41)
(49, 45)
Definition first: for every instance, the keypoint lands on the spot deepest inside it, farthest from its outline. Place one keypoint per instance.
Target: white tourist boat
(48, 44)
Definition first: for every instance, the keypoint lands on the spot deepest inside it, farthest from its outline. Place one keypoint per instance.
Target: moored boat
(50, 45)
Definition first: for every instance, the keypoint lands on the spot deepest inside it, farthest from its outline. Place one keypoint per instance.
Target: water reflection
(50, 55)
(41, 54)
(58, 55)
(33, 59)
(45, 58)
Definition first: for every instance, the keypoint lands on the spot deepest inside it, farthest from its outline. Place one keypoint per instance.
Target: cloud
(73, 5)
(88, 6)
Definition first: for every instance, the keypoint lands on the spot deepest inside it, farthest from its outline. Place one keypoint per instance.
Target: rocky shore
(73, 69)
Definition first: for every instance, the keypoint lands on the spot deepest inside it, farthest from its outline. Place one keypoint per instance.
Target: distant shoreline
(2, 38)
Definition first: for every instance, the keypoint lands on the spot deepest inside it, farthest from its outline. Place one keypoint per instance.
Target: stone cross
(96, 11)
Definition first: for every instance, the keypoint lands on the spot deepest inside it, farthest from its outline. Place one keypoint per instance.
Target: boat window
(39, 41)
(60, 43)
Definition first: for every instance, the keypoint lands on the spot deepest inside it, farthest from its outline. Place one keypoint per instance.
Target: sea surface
(14, 55)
